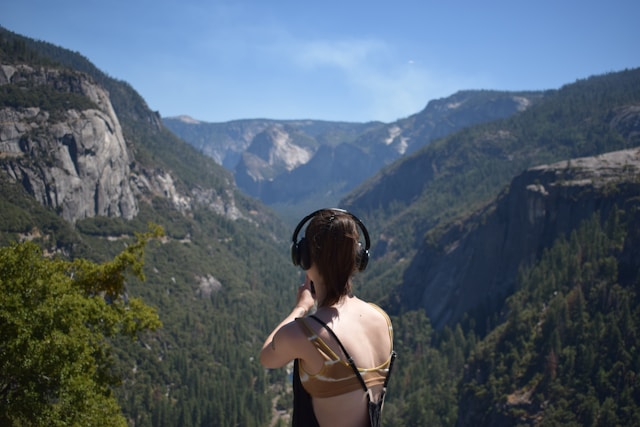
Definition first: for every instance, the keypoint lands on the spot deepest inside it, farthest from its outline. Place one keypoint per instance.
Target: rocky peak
(493, 103)
(275, 148)
(396, 139)
(271, 153)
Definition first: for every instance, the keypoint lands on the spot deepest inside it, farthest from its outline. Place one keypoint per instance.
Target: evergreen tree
(55, 320)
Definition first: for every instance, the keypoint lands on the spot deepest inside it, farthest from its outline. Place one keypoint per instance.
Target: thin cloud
(388, 86)
(348, 55)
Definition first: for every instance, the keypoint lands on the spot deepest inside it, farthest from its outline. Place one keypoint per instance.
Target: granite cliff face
(271, 152)
(474, 264)
(77, 162)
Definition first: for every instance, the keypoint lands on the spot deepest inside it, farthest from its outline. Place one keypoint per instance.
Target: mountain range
(294, 166)
(467, 202)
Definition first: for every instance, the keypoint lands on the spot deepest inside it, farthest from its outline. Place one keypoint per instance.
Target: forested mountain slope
(410, 202)
(561, 349)
(85, 165)
(474, 264)
(520, 270)
(565, 352)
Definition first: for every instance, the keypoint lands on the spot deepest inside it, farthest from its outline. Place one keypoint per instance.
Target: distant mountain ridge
(225, 142)
(307, 162)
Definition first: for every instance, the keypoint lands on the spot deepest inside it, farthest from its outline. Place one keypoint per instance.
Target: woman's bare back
(364, 332)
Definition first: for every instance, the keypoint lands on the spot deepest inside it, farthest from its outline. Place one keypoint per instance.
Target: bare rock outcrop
(71, 155)
(76, 162)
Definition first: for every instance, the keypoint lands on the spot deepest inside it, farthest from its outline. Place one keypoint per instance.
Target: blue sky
(332, 60)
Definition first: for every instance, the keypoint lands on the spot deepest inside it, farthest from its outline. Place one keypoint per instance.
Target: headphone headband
(298, 247)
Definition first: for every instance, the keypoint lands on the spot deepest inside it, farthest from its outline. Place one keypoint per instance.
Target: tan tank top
(336, 376)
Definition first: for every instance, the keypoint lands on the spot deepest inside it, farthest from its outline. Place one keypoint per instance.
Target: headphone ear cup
(304, 254)
(362, 259)
(295, 254)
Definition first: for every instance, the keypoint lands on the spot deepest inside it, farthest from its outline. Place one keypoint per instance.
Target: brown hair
(333, 242)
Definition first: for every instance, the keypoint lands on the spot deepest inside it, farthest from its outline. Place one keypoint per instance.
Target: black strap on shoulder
(393, 358)
(344, 350)
(303, 414)
(374, 408)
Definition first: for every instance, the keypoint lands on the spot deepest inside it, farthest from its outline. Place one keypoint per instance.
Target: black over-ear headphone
(301, 255)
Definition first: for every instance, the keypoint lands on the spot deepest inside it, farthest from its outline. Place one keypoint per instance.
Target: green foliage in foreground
(55, 319)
